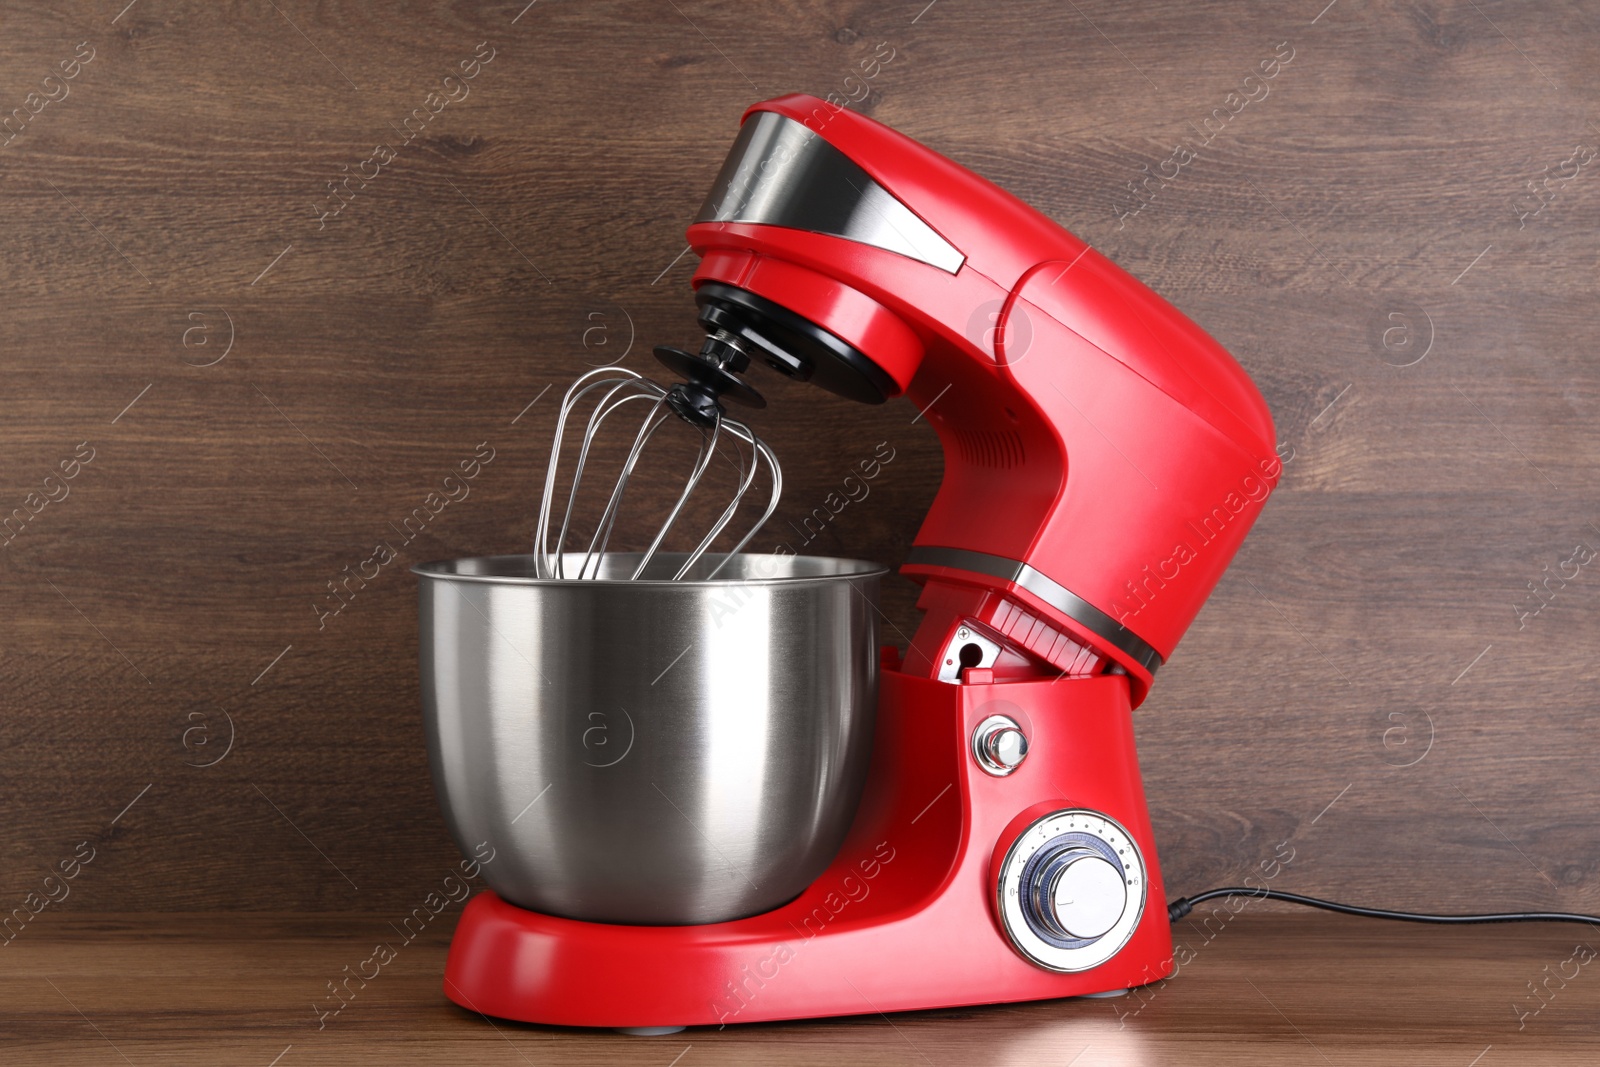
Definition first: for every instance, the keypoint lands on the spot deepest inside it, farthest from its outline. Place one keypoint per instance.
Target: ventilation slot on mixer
(1043, 640)
(990, 448)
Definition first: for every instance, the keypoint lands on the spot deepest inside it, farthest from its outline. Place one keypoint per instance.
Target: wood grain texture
(1369, 619)
(1265, 988)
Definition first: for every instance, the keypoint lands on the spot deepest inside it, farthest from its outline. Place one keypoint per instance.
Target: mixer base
(904, 919)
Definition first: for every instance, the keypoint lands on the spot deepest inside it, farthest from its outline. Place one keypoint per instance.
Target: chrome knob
(1078, 895)
(999, 745)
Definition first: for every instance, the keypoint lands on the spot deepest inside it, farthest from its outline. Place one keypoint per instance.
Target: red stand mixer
(1104, 459)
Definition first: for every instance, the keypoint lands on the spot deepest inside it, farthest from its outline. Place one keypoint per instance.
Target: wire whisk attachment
(611, 389)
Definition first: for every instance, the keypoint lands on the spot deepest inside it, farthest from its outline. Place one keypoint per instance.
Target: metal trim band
(781, 173)
(1057, 596)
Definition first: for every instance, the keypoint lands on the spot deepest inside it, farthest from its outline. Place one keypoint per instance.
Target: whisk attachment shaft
(614, 388)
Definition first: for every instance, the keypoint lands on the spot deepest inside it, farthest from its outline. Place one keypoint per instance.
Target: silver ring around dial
(1093, 934)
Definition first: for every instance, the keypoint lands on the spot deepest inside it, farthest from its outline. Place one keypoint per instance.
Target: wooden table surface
(1272, 988)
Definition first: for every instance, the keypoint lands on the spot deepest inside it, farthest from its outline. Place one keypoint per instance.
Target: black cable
(1184, 905)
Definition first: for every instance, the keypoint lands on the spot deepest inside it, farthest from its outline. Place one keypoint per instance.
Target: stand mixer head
(1104, 457)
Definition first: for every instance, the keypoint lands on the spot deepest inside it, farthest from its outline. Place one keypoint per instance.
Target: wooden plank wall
(249, 393)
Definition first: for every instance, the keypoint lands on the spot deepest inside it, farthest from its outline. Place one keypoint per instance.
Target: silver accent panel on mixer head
(782, 174)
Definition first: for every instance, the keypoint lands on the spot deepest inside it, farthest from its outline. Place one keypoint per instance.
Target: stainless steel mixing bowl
(650, 752)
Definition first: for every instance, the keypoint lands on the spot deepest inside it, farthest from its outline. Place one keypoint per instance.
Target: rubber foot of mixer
(1105, 994)
(658, 1031)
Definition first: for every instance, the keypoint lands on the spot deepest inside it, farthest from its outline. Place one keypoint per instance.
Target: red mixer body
(1104, 459)
(907, 916)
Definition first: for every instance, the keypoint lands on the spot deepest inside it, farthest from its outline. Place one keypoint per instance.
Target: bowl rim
(844, 569)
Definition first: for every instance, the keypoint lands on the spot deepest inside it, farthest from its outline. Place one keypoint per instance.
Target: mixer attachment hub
(791, 344)
(709, 378)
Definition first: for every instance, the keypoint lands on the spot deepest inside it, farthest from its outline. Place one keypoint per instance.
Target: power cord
(1184, 905)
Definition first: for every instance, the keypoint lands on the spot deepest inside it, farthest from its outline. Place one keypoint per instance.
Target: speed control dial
(1071, 890)
(1077, 894)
